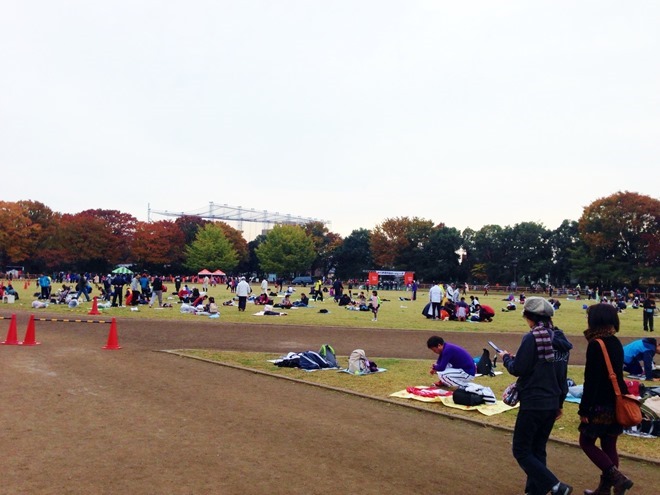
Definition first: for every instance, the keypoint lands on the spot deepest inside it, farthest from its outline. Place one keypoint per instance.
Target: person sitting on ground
(455, 366)
(211, 307)
(10, 291)
(642, 350)
(462, 310)
(286, 303)
(522, 298)
(262, 299)
(184, 294)
(303, 303)
(344, 300)
(555, 303)
(200, 300)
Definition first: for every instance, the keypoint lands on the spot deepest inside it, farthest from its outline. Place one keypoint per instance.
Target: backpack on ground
(485, 365)
(327, 352)
(465, 398)
(358, 362)
(310, 360)
(291, 360)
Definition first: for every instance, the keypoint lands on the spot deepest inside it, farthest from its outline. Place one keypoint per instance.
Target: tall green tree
(527, 253)
(438, 259)
(211, 249)
(354, 255)
(326, 244)
(489, 251)
(286, 250)
(563, 241)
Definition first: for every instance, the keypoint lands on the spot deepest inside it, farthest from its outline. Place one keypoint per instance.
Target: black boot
(604, 488)
(620, 482)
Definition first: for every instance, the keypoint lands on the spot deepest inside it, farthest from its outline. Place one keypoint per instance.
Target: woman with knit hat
(541, 365)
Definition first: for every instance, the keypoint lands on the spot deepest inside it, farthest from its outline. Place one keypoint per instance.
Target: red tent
(204, 272)
(219, 273)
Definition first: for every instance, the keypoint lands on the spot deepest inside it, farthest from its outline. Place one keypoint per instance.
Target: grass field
(394, 313)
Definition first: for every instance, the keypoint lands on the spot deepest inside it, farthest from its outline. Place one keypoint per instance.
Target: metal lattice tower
(239, 215)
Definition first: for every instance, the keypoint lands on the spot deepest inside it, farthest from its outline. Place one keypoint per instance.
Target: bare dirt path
(77, 419)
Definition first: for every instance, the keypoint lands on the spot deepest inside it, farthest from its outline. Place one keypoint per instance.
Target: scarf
(598, 333)
(543, 337)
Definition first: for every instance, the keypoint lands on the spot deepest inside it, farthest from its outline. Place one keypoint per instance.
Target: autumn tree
(286, 250)
(211, 249)
(18, 233)
(621, 234)
(83, 242)
(121, 227)
(399, 243)
(158, 245)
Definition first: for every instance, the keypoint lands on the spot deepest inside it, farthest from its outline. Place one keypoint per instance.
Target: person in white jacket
(243, 290)
(435, 297)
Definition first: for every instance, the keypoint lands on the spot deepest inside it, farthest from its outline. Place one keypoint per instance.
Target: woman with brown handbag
(597, 406)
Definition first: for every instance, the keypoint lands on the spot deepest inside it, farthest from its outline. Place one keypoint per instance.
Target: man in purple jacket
(455, 367)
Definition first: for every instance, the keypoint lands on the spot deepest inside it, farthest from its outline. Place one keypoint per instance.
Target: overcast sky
(468, 113)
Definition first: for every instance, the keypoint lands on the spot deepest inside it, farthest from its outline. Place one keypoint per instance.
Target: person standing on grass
(649, 308)
(243, 290)
(454, 367)
(435, 297)
(541, 365)
(597, 416)
(374, 304)
(156, 291)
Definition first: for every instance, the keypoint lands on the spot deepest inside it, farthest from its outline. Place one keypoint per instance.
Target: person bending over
(455, 366)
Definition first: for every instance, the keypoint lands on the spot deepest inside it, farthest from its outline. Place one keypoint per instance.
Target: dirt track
(81, 420)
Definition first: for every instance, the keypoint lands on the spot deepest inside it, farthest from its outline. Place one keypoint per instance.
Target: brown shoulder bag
(627, 407)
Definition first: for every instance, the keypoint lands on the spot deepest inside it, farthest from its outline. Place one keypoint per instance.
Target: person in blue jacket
(637, 351)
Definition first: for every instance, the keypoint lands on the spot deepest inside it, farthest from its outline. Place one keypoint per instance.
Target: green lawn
(394, 313)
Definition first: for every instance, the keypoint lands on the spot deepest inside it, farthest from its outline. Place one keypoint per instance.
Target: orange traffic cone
(113, 340)
(95, 307)
(30, 334)
(12, 337)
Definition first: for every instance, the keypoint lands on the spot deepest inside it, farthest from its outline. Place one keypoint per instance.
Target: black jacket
(541, 384)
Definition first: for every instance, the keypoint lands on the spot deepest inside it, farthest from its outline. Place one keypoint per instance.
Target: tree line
(616, 240)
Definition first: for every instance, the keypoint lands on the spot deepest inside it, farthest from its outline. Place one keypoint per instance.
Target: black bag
(464, 398)
(485, 365)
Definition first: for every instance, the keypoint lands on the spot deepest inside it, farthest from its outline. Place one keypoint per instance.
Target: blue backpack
(310, 360)
(328, 353)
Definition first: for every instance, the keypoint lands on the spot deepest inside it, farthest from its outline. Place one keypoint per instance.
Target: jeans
(83, 290)
(530, 437)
